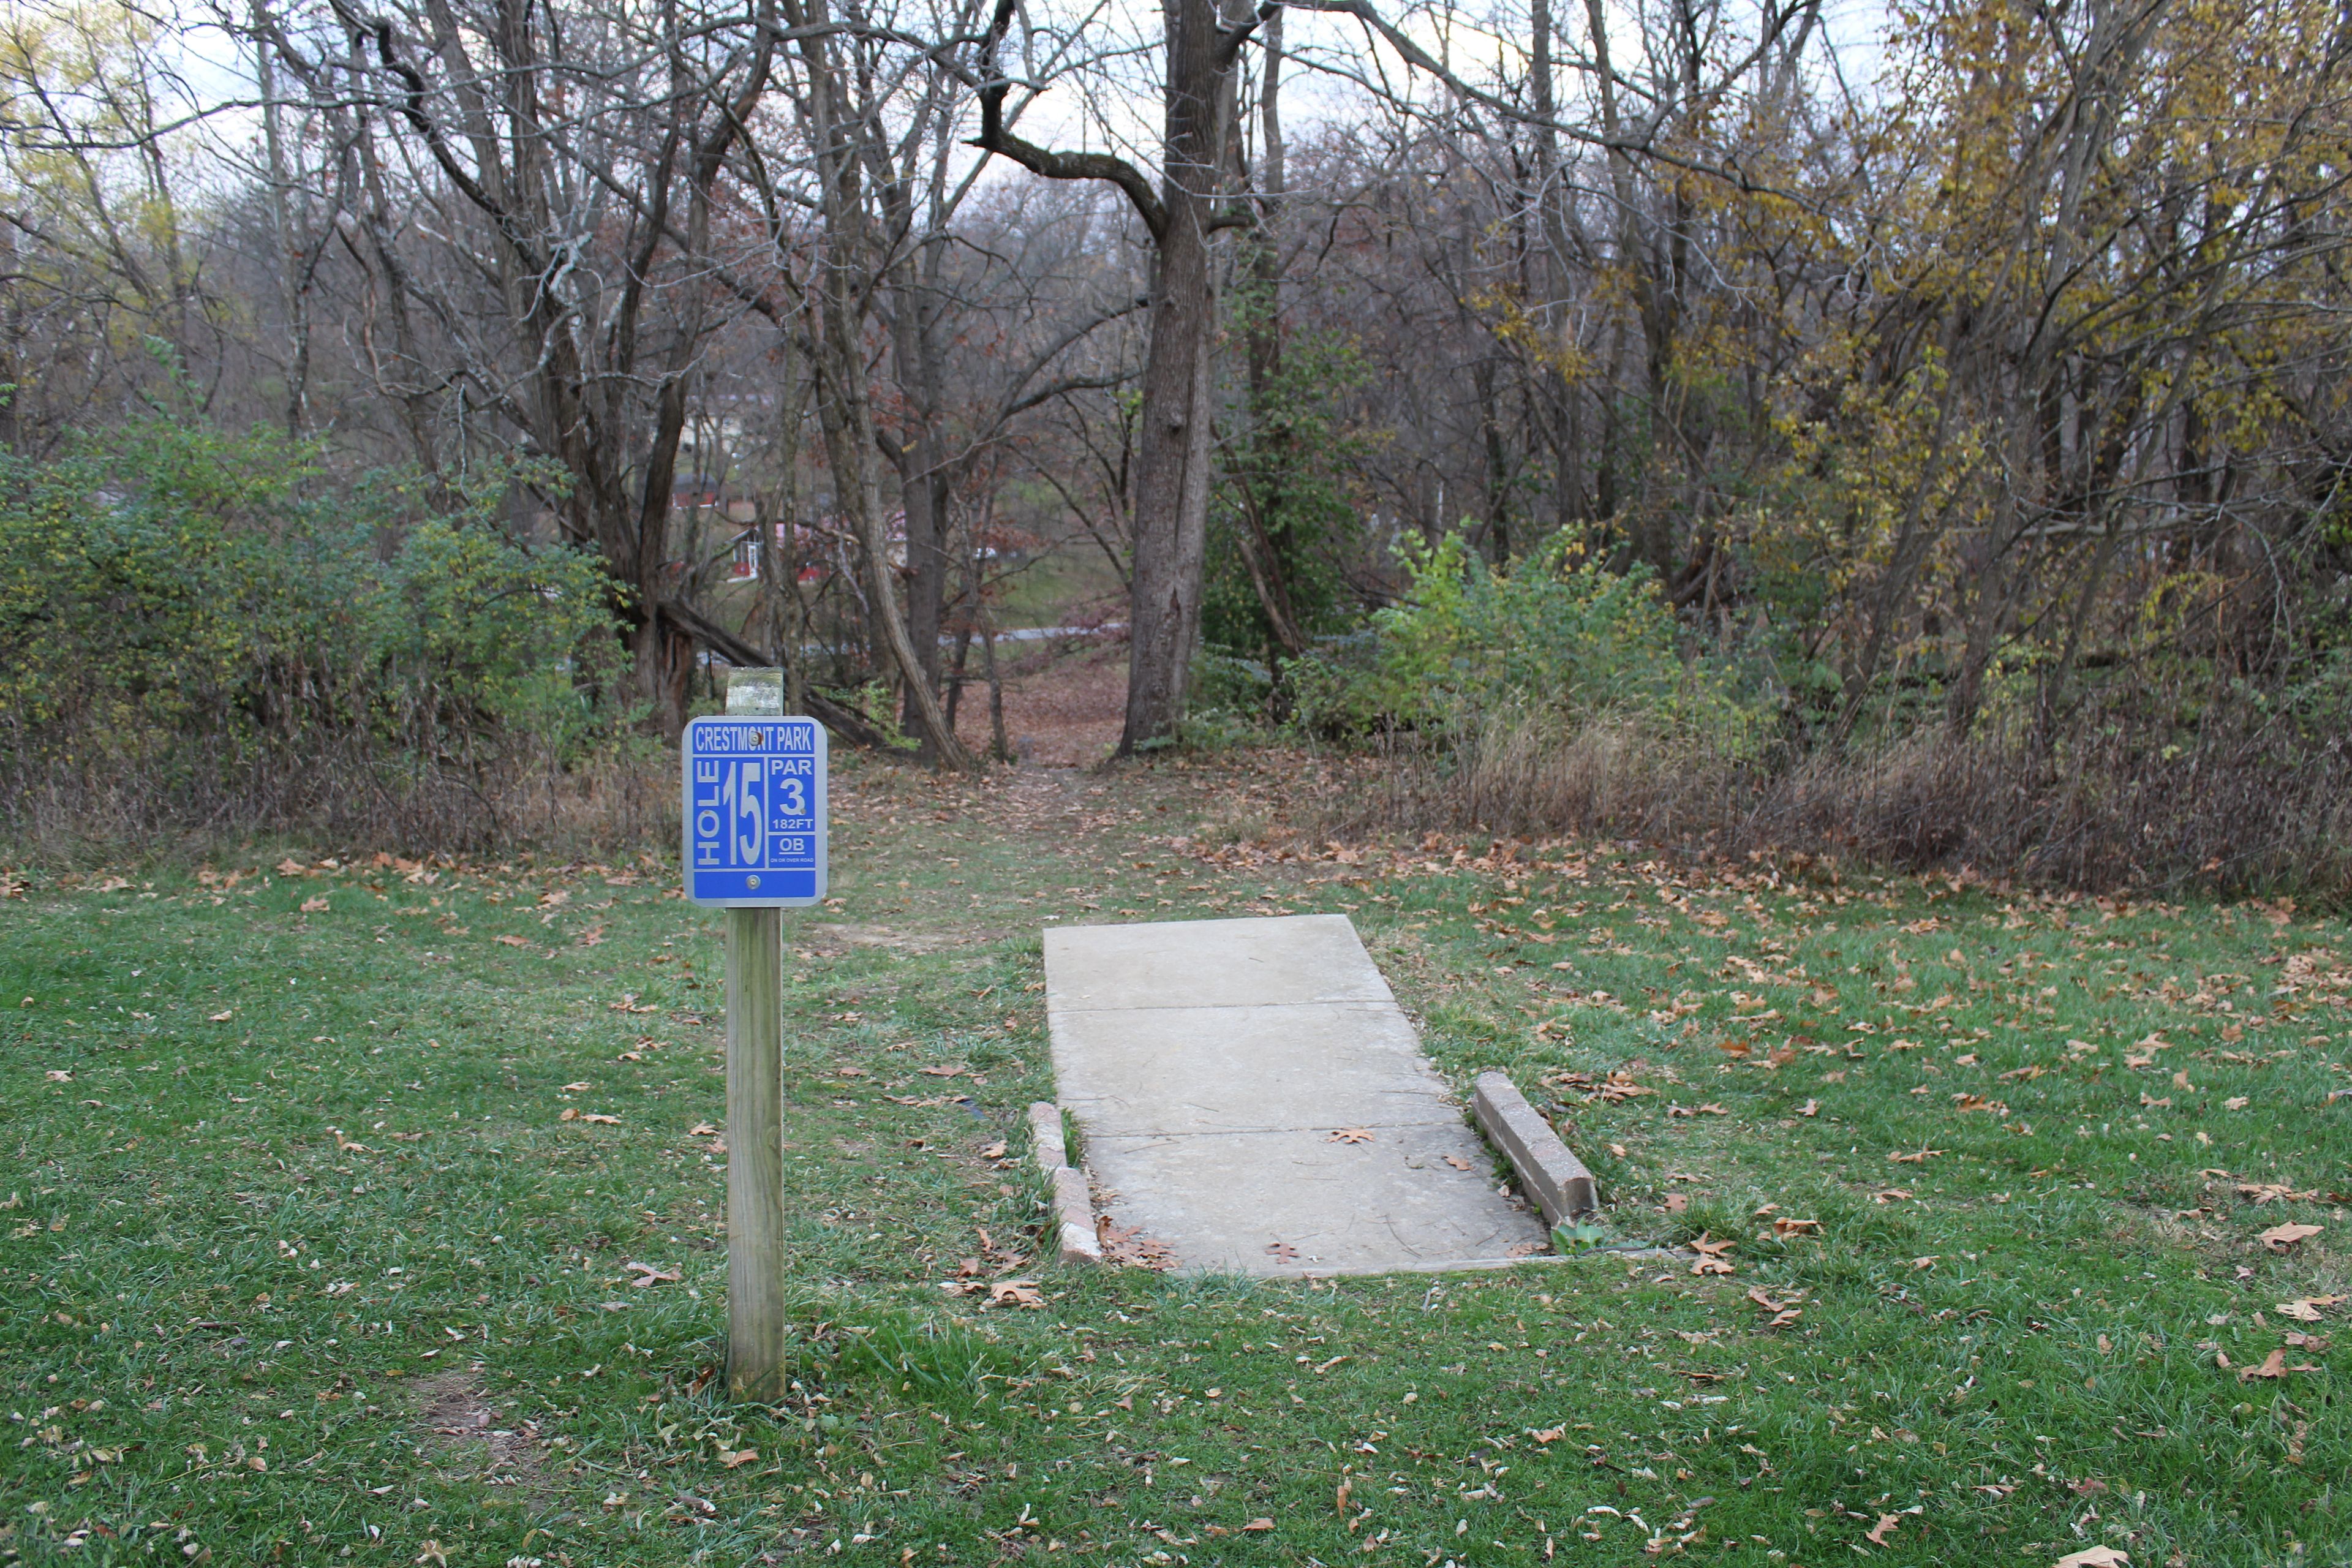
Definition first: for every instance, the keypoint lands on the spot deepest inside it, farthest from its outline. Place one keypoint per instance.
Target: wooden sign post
(755, 845)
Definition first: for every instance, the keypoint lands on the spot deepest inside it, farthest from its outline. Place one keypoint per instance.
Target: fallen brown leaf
(2095, 1557)
(1015, 1293)
(2306, 1309)
(1350, 1135)
(2281, 1237)
(1785, 1312)
(2261, 1193)
(1877, 1533)
(1128, 1247)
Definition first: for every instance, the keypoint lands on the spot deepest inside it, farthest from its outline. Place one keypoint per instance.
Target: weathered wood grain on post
(756, 1325)
(757, 1328)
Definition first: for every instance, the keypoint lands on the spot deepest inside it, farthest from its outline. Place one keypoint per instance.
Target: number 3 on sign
(754, 809)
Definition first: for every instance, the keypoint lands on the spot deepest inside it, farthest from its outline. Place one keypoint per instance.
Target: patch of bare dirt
(831, 941)
(456, 1415)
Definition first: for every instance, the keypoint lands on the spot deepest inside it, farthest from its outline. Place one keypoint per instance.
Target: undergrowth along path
(372, 1209)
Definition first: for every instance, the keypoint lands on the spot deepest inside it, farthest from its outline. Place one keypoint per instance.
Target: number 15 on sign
(755, 811)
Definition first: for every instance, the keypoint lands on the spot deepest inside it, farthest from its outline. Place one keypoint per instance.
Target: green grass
(331, 1278)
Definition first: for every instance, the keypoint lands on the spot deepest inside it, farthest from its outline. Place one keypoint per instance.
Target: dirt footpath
(1064, 704)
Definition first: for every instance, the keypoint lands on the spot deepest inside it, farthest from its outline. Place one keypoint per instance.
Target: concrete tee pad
(1212, 1066)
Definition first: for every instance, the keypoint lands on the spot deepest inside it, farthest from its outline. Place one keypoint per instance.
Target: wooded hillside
(1921, 434)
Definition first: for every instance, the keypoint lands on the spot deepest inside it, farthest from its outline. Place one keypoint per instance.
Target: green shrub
(194, 625)
(1570, 643)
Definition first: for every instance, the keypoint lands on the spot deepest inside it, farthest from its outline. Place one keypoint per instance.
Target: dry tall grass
(2104, 809)
(60, 811)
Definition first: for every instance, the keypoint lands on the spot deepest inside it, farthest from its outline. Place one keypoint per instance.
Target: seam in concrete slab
(1254, 1131)
(1236, 1006)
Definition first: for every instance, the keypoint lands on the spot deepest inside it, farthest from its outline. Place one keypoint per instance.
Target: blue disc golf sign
(755, 811)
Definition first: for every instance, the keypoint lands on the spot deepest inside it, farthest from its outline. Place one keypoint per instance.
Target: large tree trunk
(1171, 487)
(922, 479)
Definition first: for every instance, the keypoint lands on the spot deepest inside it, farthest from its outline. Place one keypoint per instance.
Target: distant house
(688, 491)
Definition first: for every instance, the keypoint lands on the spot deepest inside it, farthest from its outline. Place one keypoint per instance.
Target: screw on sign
(754, 831)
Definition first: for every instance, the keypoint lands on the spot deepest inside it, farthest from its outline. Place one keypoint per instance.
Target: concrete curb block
(1045, 1137)
(1073, 1207)
(1552, 1175)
